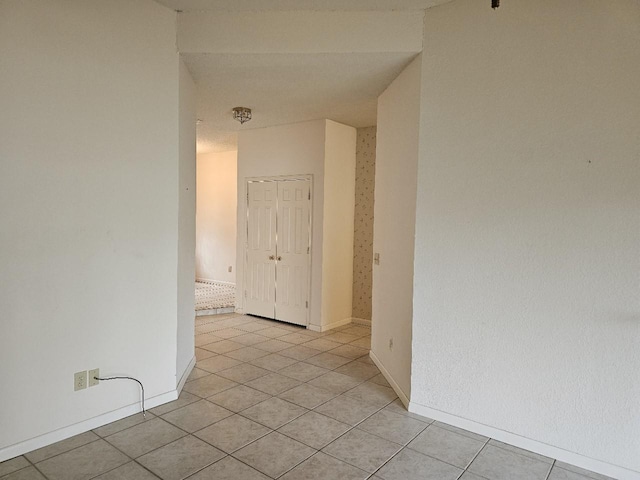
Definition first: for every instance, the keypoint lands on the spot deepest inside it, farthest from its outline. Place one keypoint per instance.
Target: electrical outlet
(92, 374)
(230, 268)
(80, 380)
(391, 343)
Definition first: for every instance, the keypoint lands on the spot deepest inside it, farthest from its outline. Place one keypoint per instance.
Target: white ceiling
(289, 5)
(287, 88)
(297, 84)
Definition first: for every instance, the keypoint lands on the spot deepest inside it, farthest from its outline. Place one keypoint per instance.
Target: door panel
(261, 248)
(292, 269)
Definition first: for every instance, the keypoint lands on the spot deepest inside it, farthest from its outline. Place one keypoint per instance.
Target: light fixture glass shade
(242, 114)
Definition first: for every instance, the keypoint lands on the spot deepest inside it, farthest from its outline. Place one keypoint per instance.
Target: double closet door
(278, 249)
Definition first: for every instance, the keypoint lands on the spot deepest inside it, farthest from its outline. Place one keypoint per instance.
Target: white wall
(88, 208)
(186, 221)
(284, 150)
(216, 216)
(394, 224)
(339, 204)
(527, 269)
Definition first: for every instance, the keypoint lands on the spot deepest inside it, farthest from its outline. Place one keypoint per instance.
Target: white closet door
(260, 282)
(292, 267)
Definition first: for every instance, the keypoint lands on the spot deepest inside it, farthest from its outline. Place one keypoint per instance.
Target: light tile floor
(271, 400)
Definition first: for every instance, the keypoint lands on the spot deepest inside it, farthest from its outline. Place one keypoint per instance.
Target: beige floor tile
(347, 409)
(218, 363)
(13, 465)
(299, 352)
(197, 415)
(461, 431)
(274, 412)
(197, 373)
(274, 454)
(29, 473)
(314, 429)
(335, 382)
(362, 450)
(202, 354)
(341, 337)
(222, 347)
(328, 360)
(128, 471)
(303, 372)
(183, 400)
(123, 424)
(274, 362)
(206, 338)
(244, 372)
(252, 327)
(376, 395)
(273, 383)
(499, 464)
(323, 467)
(580, 471)
(307, 396)
(84, 462)
(229, 333)
(229, 469)
(520, 451)
(143, 438)
(274, 332)
(366, 359)
(393, 427)
(359, 370)
(322, 344)
(295, 338)
(410, 465)
(232, 433)
(62, 446)
(239, 398)
(349, 351)
(181, 458)
(246, 354)
(358, 331)
(249, 339)
(397, 407)
(273, 345)
(364, 342)
(380, 380)
(210, 385)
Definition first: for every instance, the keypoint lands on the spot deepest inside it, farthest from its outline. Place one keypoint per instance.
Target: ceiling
(289, 87)
(289, 5)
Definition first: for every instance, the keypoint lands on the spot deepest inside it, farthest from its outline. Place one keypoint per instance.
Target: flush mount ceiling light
(242, 114)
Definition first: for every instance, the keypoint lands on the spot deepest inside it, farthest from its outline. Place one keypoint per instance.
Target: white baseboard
(535, 446)
(84, 426)
(209, 280)
(385, 373)
(215, 311)
(361, 321)
(185, 375)
(329, 326)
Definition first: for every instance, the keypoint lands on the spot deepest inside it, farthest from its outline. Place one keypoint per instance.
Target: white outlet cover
(94, 373)
(79, 381)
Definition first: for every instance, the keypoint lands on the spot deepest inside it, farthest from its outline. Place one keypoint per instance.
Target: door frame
(280, 178)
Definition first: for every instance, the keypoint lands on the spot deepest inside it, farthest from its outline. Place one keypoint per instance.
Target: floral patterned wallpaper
(363, 229)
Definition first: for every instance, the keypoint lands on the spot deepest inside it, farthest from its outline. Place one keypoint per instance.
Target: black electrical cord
(144, 413)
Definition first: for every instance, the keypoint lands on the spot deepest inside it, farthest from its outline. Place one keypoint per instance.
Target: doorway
(278, 248)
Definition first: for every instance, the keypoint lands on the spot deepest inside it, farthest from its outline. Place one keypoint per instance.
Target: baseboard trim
(329, 326)
(535, 446)
(360, 321)
(84, 426)
(385, 373)
(208, 280)
(215, 311)
(185, 375)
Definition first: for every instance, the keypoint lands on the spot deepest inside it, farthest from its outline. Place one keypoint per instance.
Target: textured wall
(363, 225)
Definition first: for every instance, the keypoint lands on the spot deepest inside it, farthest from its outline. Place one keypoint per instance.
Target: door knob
(279, 258)
(272, 257)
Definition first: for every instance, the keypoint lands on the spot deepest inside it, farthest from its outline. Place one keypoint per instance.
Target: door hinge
(306, 304)
(309, 194)
(307, 250)
(245, 294)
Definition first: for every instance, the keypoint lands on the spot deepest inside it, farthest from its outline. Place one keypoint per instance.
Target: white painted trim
(385, 373)
(329, 326)
(208, 280)
(360, 321)
(84, 426)
(186, 374)
(535, 446)
(240, 310)
(215, 311)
